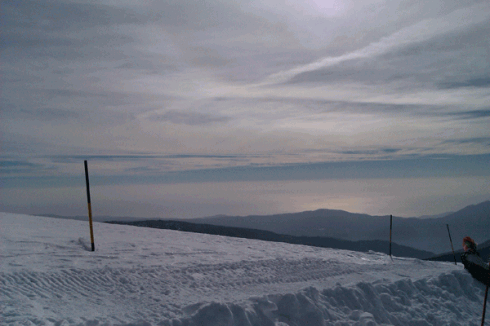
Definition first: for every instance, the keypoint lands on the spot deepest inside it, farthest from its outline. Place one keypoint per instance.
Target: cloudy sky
(190, 108)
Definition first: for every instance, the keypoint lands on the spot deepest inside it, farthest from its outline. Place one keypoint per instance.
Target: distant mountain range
(429, 234)
(363, 246)
(426, 233)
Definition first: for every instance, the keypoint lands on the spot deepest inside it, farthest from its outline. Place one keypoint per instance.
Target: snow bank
(445, 300)
(143, 276)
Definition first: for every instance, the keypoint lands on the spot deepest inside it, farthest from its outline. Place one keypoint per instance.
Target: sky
(196, 108)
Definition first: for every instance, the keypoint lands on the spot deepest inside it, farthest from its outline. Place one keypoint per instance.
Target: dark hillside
(363, 246)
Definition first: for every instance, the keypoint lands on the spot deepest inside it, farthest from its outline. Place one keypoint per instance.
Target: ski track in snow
(140, 276)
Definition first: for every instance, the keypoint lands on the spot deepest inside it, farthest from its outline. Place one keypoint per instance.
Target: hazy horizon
(130, 209)
(192, 109)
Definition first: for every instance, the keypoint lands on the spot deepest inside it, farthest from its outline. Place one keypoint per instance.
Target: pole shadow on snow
(84, 244)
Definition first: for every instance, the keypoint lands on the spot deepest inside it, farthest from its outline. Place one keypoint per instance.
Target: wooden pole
(89, 206)
(452, 247)
(391, 226)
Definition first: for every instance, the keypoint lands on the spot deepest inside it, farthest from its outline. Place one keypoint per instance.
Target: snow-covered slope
(141, 276)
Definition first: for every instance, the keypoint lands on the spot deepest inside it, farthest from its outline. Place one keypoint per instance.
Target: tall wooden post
(452, 247)
(391, 226)
(89, 207)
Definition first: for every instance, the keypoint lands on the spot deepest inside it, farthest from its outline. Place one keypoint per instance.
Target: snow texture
(140, 276)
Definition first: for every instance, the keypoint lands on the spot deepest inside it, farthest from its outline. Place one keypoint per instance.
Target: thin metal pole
(452, 247)
(391, 226)
(89, 206)
(484, 305)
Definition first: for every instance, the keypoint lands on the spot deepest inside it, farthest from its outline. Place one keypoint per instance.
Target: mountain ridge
(361, 246)
(423, 234)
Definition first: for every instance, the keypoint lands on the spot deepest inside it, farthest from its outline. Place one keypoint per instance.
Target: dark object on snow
(477, 267)
(472, 261)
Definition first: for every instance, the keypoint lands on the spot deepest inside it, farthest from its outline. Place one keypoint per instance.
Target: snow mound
(440, 301)
(141, 276)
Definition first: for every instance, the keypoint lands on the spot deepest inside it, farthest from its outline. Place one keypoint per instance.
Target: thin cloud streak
(417, 33)
(188, 118)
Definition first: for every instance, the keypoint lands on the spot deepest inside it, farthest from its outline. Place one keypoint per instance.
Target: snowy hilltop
(140, 276)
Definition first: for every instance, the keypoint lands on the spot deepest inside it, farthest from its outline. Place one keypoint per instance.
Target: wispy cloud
(188, 118)
(485, 141)
(483, 82)
(9, 167)
(420, 32)
(474, 114)
(223, 90)
(129, 157)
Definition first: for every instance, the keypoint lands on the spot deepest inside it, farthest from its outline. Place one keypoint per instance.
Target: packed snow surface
(141, 276)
